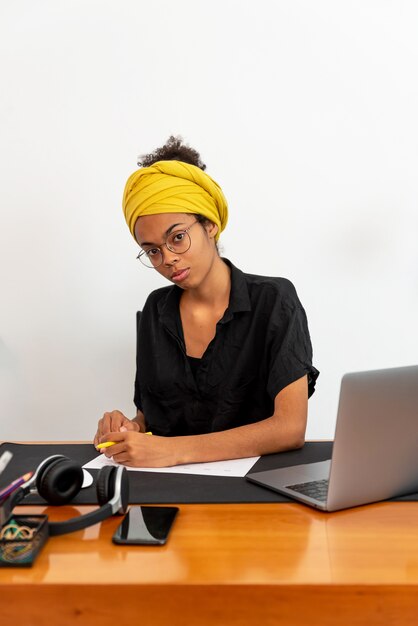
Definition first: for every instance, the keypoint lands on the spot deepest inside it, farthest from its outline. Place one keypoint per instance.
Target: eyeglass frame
(174, 232)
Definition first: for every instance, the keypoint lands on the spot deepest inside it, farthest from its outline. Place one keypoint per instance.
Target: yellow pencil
(106, 444)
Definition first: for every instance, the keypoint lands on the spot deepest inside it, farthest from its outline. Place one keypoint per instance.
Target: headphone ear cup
(60, 480)
(124, 491)
(105, 487)
(112, 488)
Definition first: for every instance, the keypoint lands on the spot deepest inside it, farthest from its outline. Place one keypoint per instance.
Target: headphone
(58, 480)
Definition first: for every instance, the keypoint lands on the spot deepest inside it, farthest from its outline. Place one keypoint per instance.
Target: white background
(304, 112)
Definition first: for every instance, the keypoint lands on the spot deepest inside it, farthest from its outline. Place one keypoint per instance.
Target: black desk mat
(159, 488)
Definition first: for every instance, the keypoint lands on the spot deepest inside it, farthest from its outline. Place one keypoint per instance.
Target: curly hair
(174, 149)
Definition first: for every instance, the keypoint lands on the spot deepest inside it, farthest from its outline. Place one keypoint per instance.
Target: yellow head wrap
(173, 187)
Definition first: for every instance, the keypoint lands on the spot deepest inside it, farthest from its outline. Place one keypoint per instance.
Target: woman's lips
(180, 275)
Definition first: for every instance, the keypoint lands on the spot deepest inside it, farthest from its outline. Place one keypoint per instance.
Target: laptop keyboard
(317, 489)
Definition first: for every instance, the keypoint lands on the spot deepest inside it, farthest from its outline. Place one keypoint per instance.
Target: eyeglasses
(178, 241)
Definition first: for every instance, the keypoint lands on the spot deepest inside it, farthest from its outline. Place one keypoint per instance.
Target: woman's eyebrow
(167, 232)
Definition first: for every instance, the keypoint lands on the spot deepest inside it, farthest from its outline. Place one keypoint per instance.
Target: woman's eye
(178, 237)
(152, 252)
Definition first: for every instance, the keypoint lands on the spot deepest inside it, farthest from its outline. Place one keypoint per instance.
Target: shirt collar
(239, 298)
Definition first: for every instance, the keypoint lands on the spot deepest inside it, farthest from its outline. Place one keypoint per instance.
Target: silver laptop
(375, 452)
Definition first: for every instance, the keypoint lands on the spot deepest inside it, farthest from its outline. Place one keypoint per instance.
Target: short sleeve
(291, 352)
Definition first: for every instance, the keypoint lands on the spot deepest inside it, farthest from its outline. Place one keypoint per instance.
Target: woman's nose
(169, 257)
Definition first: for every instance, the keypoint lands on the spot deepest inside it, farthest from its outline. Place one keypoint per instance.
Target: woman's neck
(215, 288)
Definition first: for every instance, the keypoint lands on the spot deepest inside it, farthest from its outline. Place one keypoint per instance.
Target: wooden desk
(227, 565)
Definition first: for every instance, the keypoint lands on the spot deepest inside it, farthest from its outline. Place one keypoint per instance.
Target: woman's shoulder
(271, 287)
(277, 283)
(261, 290)
(158, 296)
(258, 282)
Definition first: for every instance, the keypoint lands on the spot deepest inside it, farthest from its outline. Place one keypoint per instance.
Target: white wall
(306, 114)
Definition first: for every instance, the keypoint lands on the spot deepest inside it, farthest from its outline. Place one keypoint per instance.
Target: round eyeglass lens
(178, 241)
(151, 258)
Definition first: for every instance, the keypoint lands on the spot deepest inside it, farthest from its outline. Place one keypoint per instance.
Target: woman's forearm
(284, 430)
(268, 436)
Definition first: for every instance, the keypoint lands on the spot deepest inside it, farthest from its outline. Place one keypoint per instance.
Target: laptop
(375, 451)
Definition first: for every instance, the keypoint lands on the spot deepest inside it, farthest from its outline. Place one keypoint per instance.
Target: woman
(223, 358)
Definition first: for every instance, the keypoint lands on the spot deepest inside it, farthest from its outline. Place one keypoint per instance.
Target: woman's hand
(136, 449)
(114, 422)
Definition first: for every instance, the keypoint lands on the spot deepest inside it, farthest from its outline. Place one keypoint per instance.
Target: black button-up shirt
(261, 345)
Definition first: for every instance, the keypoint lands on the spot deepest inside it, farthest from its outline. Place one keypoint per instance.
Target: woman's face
(190, 268)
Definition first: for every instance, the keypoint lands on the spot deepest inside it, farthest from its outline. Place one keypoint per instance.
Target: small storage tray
(20, 549)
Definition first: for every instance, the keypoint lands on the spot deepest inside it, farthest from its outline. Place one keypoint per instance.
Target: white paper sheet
(235, 467)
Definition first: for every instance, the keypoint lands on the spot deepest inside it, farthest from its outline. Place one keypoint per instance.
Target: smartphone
(145, 525)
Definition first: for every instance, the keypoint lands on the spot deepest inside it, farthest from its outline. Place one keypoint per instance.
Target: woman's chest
(199, 329)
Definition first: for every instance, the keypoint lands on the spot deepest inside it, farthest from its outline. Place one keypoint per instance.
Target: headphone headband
(58, 479)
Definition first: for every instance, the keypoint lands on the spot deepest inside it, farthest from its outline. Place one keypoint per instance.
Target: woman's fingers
(111, 421)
